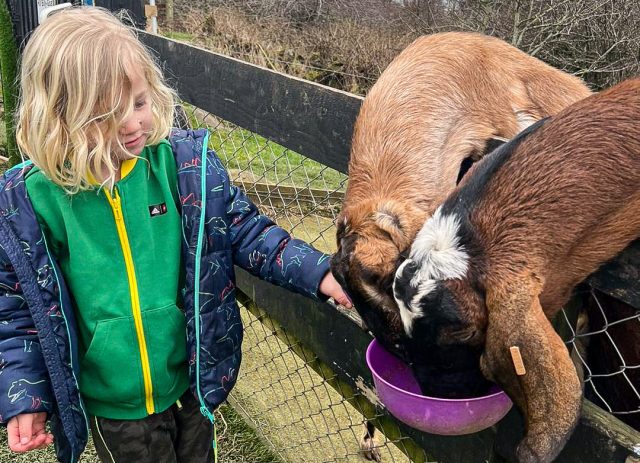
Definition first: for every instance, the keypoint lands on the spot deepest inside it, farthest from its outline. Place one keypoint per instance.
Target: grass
(242, 150)
(237, 443)
(180, 36)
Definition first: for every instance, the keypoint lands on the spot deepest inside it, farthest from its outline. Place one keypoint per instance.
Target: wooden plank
(308, 118)
(599, 437)
(341, 344)
(620, 278)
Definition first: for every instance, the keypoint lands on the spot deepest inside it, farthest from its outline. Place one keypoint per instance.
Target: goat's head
(444, 341)
(372, 238)
(460, 329)
(442, 312)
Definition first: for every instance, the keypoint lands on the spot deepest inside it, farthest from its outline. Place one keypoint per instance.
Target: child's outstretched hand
(331, 288)
(27, 432)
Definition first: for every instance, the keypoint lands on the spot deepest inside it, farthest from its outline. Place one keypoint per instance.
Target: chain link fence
(605, 345)
(293, 400)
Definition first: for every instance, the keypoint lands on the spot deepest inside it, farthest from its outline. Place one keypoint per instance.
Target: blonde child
(114, 242)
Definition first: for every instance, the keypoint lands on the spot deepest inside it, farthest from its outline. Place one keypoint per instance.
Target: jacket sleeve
(24, 381)
(269, 252)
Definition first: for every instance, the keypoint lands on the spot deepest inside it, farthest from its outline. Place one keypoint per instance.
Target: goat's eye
(468, 336)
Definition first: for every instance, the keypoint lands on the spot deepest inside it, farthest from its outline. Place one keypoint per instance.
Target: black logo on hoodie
(157, 209)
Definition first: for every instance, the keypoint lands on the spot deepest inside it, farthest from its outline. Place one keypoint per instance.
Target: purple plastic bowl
(398, 390)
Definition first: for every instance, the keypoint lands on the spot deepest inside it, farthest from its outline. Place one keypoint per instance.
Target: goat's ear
(388, 217)
(547, 391)
(341, 226)
(525, 118)
(341, 259)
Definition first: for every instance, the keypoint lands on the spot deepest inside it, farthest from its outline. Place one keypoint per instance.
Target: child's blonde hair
(76, 94)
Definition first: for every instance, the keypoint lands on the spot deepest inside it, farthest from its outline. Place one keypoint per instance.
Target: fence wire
(605, 343)
(295, 402)
(297, 405)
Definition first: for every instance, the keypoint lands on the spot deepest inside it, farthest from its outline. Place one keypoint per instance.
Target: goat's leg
(368, 445)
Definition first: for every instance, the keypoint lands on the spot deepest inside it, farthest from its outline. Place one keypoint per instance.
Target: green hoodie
(119, 252)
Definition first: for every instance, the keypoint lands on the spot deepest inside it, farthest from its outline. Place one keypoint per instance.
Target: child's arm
(25, 394)
(269, 252)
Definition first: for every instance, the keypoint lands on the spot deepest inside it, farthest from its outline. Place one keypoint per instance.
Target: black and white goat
(503, 253)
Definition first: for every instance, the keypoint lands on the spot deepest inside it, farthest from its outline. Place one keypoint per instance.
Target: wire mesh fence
(297, 404)
(605, 345)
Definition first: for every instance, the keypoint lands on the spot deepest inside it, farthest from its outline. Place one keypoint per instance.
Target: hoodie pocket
(165, 332)
(111, 370)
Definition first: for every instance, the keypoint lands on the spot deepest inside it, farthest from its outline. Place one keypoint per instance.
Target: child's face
(136, 129)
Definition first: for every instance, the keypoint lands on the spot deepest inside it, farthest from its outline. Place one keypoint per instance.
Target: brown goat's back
(579, 175)
(503, 253)
(439, 101)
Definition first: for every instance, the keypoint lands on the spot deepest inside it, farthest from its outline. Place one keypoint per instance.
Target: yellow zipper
(116, 206)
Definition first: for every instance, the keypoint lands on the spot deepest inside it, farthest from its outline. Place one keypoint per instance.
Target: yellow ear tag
(517, 361)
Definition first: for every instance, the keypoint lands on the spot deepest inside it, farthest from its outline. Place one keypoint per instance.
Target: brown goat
(503, 253)
(440, 104)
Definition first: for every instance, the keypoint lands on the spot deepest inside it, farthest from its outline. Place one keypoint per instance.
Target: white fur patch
(437, 250)
(409, 313)
(438, 255)
(524, 118)
(407, 317)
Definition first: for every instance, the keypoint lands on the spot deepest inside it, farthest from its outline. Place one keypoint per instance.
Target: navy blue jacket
(221, 227)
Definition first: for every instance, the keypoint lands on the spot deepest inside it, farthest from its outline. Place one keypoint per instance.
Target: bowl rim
(413, 394)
